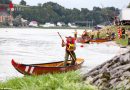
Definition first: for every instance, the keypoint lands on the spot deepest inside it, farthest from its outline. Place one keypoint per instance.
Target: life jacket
(70, 46)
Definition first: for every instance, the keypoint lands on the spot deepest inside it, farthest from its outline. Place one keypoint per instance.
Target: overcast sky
(82, 3)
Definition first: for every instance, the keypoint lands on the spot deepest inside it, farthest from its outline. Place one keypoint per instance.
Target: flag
(11, 6)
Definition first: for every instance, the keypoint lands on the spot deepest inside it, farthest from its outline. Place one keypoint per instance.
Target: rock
(127, 67)
(126, 74)
(113, 74)
(89, 79)
(97, 77)
(117, 74)
(127, 87)
(115, 65)
(94, 73)
(113, 81)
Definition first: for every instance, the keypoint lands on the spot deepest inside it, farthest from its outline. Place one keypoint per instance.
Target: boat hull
(99, 40)
(80, 40)
(40, 69)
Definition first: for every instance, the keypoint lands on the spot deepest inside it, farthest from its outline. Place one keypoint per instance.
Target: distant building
(60, 24)
(33, 24)
(48, 25)
(4, 14)
(72, 25)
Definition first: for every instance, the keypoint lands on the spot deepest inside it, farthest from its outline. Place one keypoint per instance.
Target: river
(33, 45)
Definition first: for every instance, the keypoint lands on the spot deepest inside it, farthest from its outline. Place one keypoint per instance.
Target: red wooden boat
(100, 40)
(44, 68)
(80, 40)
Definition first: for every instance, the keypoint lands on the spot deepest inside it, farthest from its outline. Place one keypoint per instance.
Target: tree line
(53, 12)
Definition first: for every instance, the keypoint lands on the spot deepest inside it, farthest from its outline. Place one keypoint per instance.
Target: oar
(69, 51)
(60, 36)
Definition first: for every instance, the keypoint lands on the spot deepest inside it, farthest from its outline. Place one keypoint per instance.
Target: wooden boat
(80, 40)
(44, 68)
(100, 40)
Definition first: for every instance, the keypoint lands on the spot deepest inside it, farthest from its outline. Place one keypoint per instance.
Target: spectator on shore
(119, 32)
(128, 36)
(123, 33)
(113, 35)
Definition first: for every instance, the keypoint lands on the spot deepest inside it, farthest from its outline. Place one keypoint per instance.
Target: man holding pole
(70, 48)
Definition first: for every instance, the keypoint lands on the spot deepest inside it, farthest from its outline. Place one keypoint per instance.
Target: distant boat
(99, 40)
(97, 27)
(45, 68)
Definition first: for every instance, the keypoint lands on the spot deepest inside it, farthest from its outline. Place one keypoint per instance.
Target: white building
(33, 24)
(48, 25)
(60, 24)
(72, 25)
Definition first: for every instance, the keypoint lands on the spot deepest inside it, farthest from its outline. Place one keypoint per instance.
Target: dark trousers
(123, 36)
(128, 41)
(72, 55)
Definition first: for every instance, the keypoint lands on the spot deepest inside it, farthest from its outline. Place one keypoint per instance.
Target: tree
(129, 5)
(22, 2)
(4, 1)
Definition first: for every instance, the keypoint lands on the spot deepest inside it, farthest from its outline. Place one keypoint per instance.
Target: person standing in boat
(107, 34)
(98, 34)
(75, 34)
(70, 48)
(92, 34)
(84, 35)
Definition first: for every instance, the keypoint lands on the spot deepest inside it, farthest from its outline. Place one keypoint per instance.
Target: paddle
(64, 42)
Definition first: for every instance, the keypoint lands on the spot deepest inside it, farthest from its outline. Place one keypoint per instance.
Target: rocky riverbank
(113, 74)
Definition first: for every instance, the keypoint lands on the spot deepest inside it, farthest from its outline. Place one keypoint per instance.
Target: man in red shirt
(70, 48)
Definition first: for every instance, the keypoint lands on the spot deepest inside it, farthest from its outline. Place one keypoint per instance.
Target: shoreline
(52, 27)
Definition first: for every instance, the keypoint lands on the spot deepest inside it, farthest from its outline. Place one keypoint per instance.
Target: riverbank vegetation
(53, 12)
(64, 81)
(123, 42)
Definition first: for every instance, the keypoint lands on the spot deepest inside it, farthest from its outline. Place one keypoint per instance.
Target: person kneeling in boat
(70, 48)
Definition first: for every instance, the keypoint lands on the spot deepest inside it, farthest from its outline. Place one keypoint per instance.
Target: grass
(64, 81)
(123, 42)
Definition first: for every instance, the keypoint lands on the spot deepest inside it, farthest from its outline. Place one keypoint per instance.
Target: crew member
(75, 34)
(70, 48)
